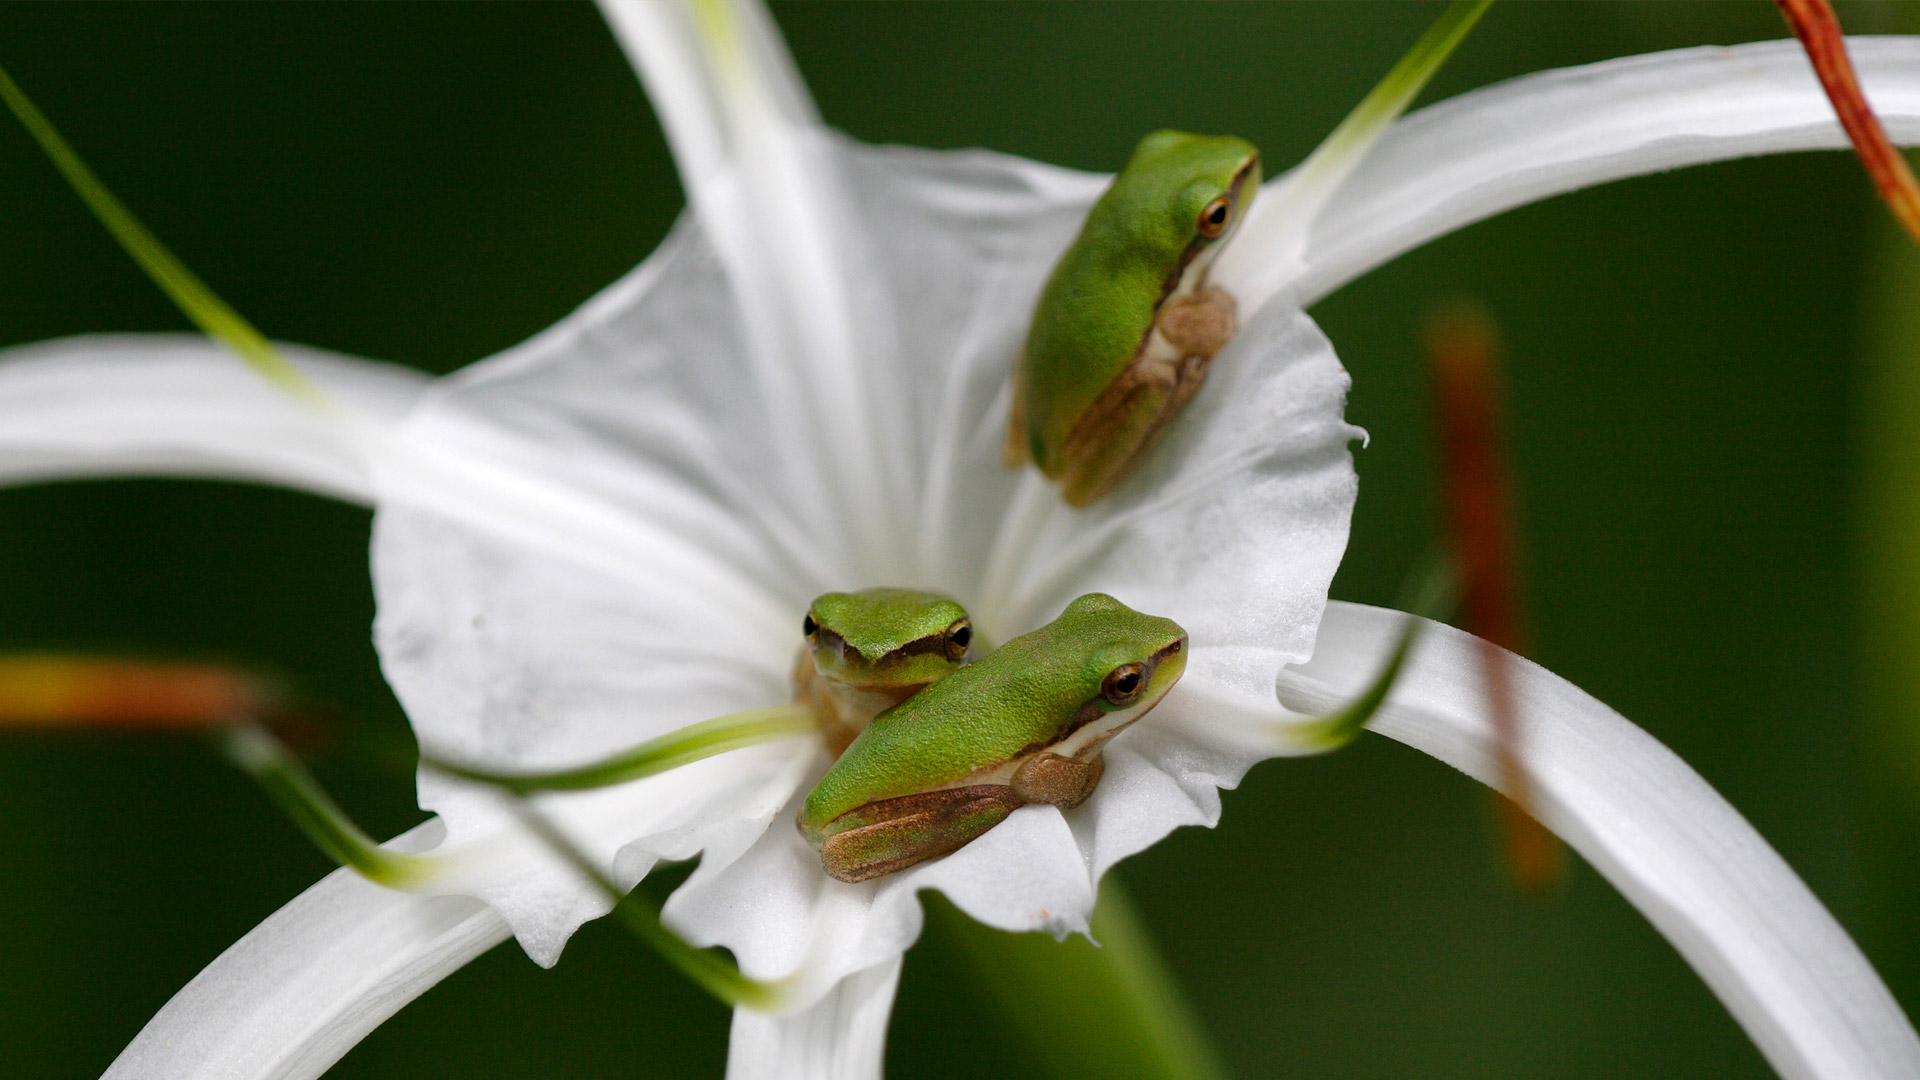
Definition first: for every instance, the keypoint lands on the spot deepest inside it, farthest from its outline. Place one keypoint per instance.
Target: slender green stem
(670, 751)
(709, 969)
(181, 285)
(1111, 1010)
(1335, 729)
(264, 758)
(1429, 592)
(1341, 150)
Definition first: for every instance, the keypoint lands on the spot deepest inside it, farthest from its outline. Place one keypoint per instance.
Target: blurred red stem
(52, 690)
(1814, 23)
(1460, 346)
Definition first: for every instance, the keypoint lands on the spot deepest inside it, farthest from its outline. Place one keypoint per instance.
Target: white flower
(610, 531)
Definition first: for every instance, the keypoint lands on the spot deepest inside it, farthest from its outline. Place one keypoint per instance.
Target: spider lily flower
(609, 533)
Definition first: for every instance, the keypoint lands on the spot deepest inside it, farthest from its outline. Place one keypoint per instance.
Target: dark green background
(430, 184)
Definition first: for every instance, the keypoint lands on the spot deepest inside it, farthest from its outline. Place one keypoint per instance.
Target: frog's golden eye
(1213, 219)
(959, 636)
(1124, 684)
(808, 626)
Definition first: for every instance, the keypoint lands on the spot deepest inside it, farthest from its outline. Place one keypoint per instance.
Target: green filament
(709, 969)
(682, 747)
(264, 758)
(191, 295)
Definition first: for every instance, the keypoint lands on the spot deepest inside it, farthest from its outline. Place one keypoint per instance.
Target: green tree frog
(868, 651)
(1024, 725)
(1126, 325)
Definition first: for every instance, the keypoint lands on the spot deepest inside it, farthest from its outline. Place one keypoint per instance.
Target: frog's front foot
(1200, 323)
(1058, 781)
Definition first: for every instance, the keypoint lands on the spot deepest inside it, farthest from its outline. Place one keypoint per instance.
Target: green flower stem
(1342, 150)
(708, 968)
(1335, 729)
(1430, 591)
(1111, 1010)
(191, 295)
(670, 751)
(264, 758)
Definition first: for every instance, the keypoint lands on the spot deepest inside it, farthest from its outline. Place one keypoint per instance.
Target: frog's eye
(959, 636)
(1124, 684)
(808, 626)
(1213, 218)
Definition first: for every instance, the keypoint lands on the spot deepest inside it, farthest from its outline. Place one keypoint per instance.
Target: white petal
(303, 987)
(785, 919)
(179, 405)
(843, 1037)
(705, 91)
(505, 656)
(721, 804)
(765, 181)
(1539, 135)
(1672, 846)
(508, 653)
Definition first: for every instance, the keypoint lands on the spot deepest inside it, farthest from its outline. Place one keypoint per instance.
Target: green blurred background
(1706, 463)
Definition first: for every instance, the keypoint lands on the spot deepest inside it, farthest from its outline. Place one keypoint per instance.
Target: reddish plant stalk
(1814, 23)
(46, 690)
(1460, 346)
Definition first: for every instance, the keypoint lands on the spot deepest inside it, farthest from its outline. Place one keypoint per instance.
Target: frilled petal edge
(1673, 847)
(303, 987)
(180, 405)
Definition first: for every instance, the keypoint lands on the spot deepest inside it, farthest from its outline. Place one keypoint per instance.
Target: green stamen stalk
(1429, 592)
(1335, 729)
(710, 970)
(670, 751)
(264, 758)
(191, 295)
(1391, 96)
(1267, 254)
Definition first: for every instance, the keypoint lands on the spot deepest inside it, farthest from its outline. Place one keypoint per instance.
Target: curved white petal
(842, 1037)
(1672, 846)
(1540, 135)
(765, 181)
(303, 987)
(647, 402)
(180, 405)
(710, 71)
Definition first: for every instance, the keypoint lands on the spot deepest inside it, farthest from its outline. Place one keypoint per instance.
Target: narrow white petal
(1672, 846)
(842, 1037)
(1540, 135)
(689, 88)
(180, 405)
(303, 987)
(765, 180)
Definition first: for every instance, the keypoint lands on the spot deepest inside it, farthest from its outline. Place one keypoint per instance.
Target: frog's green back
(984, 714)
(1099, 303)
